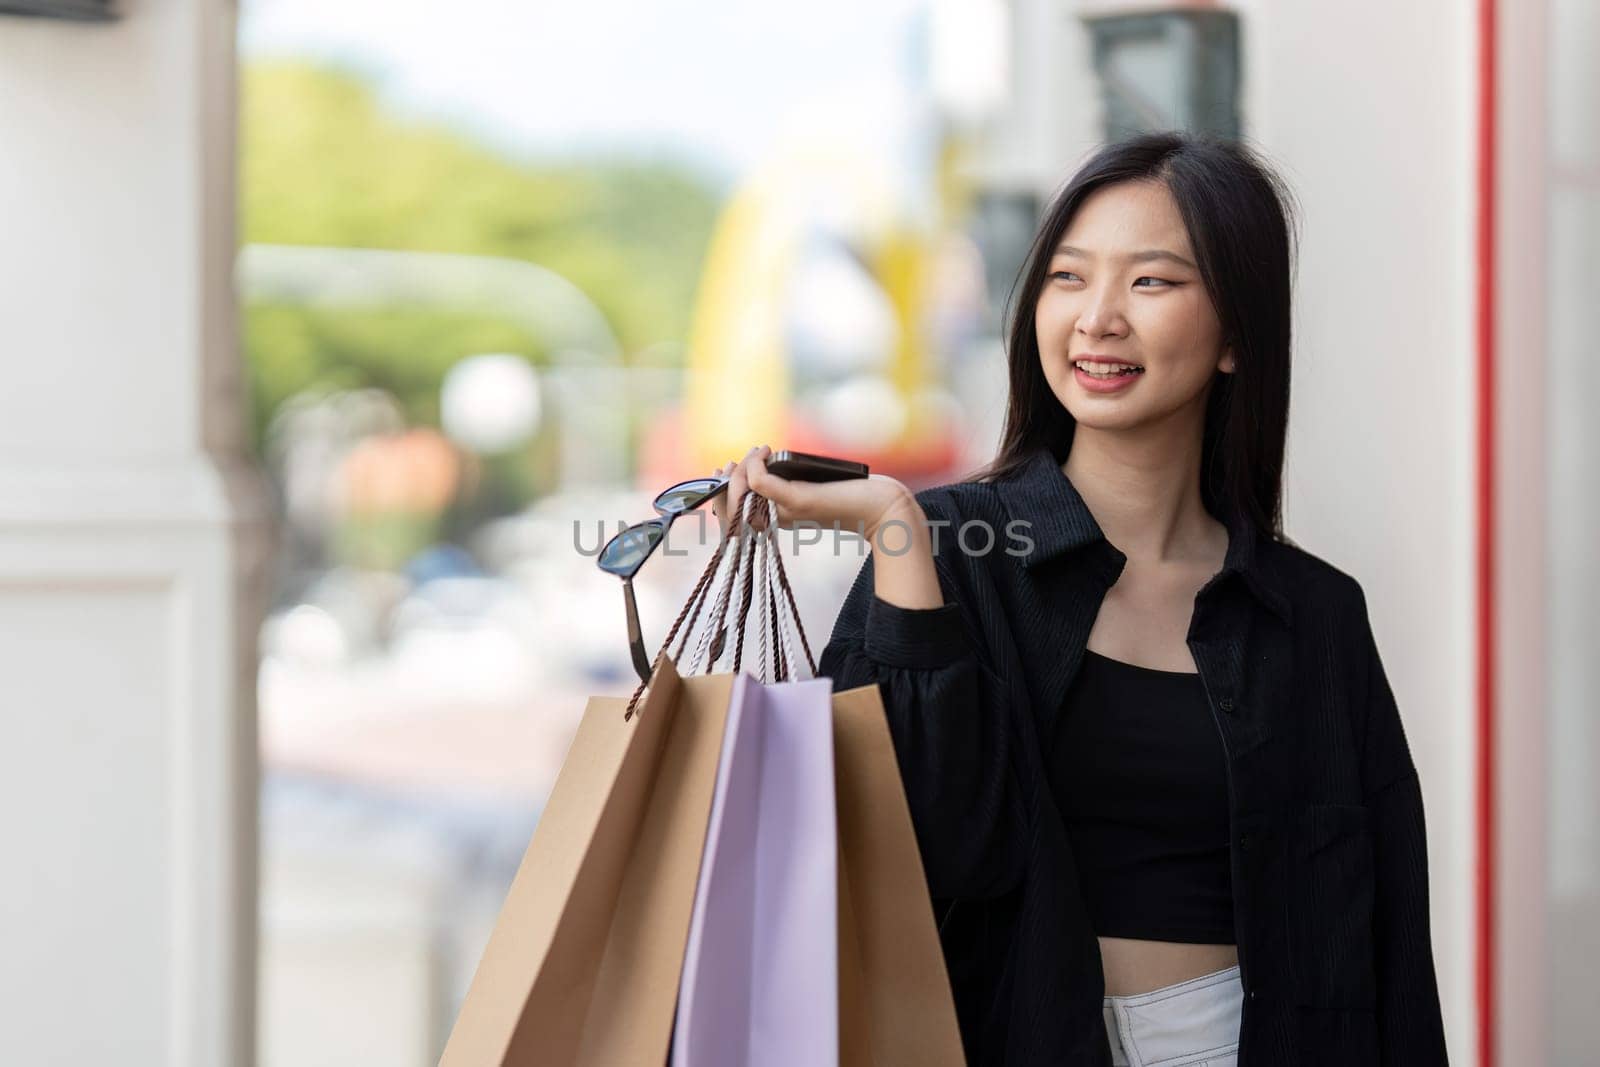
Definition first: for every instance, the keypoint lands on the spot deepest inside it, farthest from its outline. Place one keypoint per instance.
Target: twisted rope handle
(741, 576)
(706, 646)
(764, 540)
(764, 612)
(772, 567)
(776, 650)
(794, 613)
(692, 607)
(775, 629)
(782, 640)
(746, 588)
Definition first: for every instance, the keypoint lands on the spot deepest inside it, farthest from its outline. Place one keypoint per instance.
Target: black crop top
(1138, 770)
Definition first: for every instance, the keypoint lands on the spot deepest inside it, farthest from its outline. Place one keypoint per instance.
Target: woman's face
(1122, 285)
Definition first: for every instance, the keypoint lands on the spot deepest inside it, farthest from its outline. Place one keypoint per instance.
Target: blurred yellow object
(738, 390)
(743, 381)
(901, 264)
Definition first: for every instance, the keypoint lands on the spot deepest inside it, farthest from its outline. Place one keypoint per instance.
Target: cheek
(1178, 331)
(1052, 320)
(1194, 318)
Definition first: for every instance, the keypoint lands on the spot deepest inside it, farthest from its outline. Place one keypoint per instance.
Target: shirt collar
(1059, 521)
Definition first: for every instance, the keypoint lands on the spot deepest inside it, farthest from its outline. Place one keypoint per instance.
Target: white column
(131, 547)
(1526, 319)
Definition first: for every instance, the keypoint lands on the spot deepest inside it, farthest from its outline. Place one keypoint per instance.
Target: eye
(1066, 274)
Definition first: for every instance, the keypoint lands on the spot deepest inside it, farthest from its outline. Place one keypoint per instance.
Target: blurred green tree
(322, 163)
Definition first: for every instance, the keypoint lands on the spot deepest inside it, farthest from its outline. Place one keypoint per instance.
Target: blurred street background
(500, 287)
(338, 337)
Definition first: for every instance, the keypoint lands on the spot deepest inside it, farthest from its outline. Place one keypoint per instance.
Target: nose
(1102, 312)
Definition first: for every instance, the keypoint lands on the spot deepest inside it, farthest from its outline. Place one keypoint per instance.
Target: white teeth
(1105, 368)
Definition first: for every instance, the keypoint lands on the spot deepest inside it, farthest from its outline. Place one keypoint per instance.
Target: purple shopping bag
(761, 972)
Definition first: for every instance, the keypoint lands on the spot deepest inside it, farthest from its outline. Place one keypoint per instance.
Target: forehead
(1128, 216)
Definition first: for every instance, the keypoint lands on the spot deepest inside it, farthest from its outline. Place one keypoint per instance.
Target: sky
(713, 82)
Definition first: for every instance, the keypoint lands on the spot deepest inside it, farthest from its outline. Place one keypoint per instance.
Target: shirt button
(1226, 703)
(1254, 994)
(1245, 841)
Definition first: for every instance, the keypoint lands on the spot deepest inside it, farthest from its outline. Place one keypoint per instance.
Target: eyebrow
(1135, 257)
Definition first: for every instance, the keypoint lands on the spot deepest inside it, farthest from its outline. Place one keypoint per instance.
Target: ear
(1227, 364)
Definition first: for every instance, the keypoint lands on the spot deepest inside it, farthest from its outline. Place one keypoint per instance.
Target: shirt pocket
(1332, 892)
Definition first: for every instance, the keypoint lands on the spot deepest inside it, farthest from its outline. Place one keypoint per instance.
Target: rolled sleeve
(914, 638)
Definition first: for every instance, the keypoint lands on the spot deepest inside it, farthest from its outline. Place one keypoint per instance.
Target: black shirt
(1140, 778)
(1327, 846)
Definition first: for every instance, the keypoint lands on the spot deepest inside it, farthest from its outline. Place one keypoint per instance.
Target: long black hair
(1239, 217)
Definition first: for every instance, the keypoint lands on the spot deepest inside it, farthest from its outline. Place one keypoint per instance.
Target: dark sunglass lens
(685, 496)
(624, 552)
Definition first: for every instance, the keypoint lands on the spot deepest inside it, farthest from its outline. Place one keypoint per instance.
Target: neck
(1145, 493)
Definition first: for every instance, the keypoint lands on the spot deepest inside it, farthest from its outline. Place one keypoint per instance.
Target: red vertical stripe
(1485, 903)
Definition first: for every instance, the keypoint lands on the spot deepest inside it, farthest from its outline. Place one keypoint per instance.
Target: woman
(1165, 802)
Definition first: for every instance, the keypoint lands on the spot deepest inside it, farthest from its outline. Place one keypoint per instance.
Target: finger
(727, 470)
(716, 501)
(788, 495)
(738, 482)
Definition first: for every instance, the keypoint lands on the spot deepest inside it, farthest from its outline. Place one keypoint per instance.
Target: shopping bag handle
(705, 589)
(773, 621)
(781, 614)
(748, 534)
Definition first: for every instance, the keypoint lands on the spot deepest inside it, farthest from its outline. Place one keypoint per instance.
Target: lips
(1105, 383)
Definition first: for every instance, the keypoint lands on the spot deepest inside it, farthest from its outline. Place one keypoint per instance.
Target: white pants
(1189, 1024)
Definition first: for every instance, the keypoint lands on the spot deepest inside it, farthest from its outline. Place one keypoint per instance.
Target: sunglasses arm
(641, 660)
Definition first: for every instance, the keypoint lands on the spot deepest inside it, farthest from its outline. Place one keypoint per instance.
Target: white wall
(1368, 107)
(1571, 389)
(129, 548)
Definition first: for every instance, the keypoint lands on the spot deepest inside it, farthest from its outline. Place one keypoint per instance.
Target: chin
(1108, 422)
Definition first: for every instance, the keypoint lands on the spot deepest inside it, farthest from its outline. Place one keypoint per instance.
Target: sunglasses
(625, 553)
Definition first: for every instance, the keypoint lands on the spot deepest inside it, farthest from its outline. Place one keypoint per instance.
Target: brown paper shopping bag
(895, 1004)
(582, 966)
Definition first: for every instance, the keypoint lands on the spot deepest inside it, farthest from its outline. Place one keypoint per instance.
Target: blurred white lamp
(490, 403)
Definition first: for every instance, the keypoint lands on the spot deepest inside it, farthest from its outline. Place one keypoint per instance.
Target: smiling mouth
(1107, 371)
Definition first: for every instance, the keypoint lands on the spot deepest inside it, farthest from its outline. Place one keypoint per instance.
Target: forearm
(902, 555)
